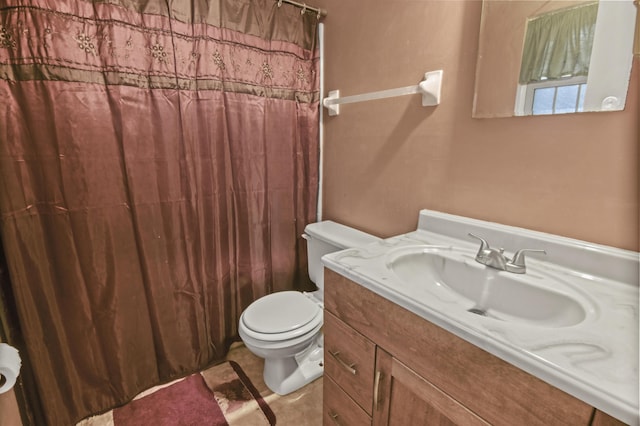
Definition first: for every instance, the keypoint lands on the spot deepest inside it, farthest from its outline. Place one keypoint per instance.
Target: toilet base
(286, 375)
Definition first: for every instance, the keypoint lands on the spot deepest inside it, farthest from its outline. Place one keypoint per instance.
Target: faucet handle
(484, 245)
(518, 258)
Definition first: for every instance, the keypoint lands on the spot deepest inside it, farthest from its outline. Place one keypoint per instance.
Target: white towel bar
(429, 88)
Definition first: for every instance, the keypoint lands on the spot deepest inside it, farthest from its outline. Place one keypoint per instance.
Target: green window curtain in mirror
(558, 44)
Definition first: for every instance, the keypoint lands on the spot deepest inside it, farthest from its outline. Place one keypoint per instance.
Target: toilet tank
(328, 237)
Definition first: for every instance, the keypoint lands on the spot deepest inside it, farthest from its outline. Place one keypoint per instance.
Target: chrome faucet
(495, 258)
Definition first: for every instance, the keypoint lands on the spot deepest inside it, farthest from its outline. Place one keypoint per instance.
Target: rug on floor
(222, 395)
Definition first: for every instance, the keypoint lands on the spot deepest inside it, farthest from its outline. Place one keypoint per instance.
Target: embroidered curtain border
(100, 46)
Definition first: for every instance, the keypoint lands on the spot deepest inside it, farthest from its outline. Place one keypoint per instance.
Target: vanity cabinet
(390, 366)
(362, 380)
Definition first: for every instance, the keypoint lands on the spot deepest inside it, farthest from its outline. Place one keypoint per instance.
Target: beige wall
(573, 175)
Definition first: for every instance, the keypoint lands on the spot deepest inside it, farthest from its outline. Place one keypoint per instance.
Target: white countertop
(595, 360)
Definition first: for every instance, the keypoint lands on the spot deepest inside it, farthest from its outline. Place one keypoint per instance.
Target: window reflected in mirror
(555, 61)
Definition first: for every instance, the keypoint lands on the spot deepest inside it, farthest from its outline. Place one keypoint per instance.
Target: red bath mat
(187, 402)
(220, 396)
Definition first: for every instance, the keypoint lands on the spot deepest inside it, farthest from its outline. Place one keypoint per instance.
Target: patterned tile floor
(300, 408)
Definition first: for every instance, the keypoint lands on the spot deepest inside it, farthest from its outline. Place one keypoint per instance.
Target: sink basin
(453, 276)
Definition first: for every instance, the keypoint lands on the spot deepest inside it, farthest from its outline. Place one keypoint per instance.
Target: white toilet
(284, 328)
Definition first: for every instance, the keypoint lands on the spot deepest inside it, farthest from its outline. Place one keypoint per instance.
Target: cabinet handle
(348, 367)
(376, 390)
(334, 418)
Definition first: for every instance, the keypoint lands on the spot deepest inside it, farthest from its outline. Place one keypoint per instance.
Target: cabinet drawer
(339, 409)
(349, 360)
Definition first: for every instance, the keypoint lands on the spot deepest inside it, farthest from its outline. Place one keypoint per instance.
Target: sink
(453, 276)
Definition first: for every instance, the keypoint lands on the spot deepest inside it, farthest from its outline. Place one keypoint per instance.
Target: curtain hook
(319, 15)
(304, 9)
(279, 3)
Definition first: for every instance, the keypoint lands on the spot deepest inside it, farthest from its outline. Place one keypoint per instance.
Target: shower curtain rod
(321, 13)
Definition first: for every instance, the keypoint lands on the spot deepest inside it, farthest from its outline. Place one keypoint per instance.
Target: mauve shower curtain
(158, 163)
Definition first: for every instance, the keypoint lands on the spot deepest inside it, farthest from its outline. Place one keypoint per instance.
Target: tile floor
(300, 408)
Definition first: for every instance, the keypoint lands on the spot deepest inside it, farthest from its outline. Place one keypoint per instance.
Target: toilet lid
(280, 313)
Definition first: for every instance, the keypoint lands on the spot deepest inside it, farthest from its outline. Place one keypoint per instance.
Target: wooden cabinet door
(602, 419)
(401, 397)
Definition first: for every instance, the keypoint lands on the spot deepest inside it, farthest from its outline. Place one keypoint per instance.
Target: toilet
(285, 328)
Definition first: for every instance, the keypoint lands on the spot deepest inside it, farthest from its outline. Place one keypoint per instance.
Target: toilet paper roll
(10, 363)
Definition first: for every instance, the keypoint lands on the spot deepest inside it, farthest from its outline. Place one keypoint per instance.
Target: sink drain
(478, 311)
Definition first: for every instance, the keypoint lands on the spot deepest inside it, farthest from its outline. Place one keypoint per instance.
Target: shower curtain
(158, 164)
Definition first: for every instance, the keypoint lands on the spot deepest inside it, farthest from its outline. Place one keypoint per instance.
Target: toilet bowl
(285, 328)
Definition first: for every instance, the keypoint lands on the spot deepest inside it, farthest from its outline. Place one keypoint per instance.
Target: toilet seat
(281, 316)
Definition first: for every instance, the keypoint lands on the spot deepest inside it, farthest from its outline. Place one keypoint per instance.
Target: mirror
(503, 28)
